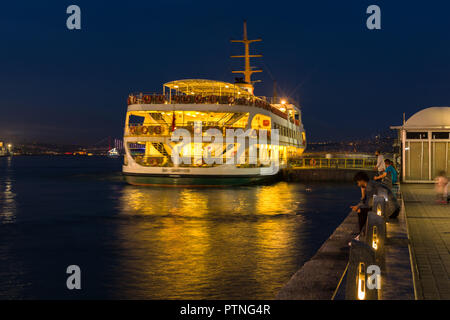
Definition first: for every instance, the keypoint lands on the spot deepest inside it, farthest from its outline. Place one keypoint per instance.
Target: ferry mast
(248, 85)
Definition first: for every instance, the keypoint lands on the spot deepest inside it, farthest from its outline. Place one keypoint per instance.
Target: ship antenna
(275, 94)
(248, 69)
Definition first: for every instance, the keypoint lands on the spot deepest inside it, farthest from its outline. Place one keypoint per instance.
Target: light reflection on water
(7, 196)
(149, 243)
(216, 243)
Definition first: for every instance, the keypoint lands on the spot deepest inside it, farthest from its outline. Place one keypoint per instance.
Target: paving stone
(429, 233)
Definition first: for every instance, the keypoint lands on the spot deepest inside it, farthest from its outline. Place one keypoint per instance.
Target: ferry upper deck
(216, 104)
(211, 92)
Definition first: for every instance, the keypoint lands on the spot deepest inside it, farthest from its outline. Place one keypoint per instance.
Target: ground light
(375, 238)
(379, 211)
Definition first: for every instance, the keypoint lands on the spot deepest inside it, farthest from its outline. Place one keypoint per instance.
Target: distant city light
(283, 101)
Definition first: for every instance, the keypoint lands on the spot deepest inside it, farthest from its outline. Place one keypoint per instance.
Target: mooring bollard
(375, 235)
(363, 274)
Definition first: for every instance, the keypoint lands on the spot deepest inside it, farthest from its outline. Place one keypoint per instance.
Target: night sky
(64, 86)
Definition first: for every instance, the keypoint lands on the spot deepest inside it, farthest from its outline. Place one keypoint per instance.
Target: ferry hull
(194, 180)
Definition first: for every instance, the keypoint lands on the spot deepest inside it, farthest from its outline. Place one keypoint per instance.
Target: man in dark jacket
(369, 189)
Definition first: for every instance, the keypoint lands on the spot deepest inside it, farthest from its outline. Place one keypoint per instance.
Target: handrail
(340, 282)
(166, 161)
(210, 99)
(134, 129)
(334, 163)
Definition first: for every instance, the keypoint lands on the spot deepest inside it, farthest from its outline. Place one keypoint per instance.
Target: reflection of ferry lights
(198, 233)
(151, 119)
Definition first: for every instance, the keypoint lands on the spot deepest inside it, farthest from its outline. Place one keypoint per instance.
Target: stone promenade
(429, 233)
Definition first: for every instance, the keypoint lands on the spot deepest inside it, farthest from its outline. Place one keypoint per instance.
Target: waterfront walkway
(429, 233)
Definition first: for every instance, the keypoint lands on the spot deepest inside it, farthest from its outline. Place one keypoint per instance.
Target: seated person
(369, 188)
(390, 176)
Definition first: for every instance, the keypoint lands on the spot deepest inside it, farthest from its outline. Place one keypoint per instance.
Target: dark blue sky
(67, 86)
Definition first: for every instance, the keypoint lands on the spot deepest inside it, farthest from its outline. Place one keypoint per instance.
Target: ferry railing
(148, 98)
(334, 163)
(164, 130)
(160, 130)
(166, 161)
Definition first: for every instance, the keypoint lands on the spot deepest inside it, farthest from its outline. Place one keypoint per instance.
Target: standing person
(441, 187)
(390, 176)
(369, 189)
(380, 167)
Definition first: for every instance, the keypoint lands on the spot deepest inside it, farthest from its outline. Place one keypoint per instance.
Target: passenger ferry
(198, 106)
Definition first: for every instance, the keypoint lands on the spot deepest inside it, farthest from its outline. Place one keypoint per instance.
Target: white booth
(425, 145)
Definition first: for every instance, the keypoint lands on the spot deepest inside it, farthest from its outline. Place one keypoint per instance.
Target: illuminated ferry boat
(198, 105)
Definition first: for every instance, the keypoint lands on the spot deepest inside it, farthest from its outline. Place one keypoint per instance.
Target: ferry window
(417, 135)
(441, 135)
(133, 119)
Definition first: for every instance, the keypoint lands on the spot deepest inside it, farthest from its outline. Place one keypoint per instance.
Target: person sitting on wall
(389, 176)
(370, 188)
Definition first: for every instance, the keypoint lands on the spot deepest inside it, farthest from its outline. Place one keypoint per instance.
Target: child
(441, 187)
